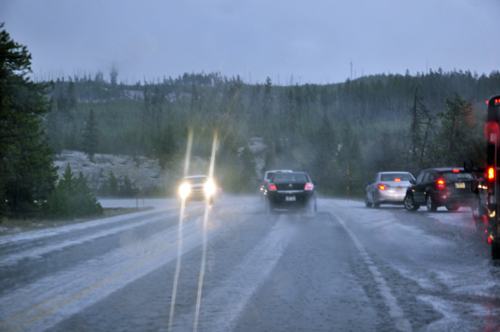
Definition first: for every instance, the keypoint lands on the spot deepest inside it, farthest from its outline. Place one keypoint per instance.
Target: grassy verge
(13, 226)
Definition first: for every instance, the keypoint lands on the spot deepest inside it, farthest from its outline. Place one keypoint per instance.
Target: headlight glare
(184, 190)
(209, 188)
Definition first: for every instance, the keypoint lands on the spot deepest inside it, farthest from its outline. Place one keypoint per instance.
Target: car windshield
(394, 176)
(289, 178)
(461, 176)
(196, 180)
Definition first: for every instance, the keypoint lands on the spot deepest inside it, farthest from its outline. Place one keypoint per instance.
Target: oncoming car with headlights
(197, 187)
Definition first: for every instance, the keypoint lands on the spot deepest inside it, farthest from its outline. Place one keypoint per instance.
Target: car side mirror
(413, 181)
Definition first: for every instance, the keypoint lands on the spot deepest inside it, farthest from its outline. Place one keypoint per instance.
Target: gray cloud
(314, 41)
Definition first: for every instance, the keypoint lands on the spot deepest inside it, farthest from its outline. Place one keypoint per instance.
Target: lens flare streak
(204, 247)
(179, 248)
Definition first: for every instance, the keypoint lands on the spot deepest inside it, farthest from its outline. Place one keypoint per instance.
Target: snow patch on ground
(143, 172)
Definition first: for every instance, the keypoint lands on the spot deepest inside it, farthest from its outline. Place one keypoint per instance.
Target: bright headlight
(184, 190)
(209, 188)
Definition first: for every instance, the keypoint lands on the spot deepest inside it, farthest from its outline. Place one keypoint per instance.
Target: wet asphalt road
(345, 268)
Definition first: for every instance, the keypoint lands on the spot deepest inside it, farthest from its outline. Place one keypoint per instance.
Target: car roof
(297, 172)
(400, 172)
(445, 169)
(195, 176)
(280, 170)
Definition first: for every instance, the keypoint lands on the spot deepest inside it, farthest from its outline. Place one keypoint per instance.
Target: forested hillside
(375, 123)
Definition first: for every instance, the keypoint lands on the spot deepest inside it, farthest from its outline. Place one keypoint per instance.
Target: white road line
(221, 308)
(402, 324)
(86, 284)
(37, 252)
(38, 234)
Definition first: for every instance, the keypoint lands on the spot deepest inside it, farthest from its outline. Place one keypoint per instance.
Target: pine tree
(91, 136)
(25, 153)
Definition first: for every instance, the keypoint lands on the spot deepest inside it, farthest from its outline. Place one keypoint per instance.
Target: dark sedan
(290, 191)
(434, 187)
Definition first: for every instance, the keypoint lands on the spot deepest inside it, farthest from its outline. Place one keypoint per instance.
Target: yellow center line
(18, 316)
(100, 283)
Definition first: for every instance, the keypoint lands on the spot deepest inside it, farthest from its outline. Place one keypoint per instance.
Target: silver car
(387, 188)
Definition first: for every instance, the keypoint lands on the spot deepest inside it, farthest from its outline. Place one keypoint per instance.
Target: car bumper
(289, 200)
(463, 200)
(391, 197)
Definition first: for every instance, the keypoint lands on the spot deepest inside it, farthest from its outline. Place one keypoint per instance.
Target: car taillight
(309, 186)
(456, 170)
(397, 179)
(440, 184)
(491, 173)
(272, 187)
(383, 186)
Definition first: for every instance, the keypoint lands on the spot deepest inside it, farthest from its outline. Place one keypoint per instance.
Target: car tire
(452, 207)
(376, 205)
(268, 206)
(495, 249)
(409, 204)
(431, 205)
(368, 204)
(312, 206)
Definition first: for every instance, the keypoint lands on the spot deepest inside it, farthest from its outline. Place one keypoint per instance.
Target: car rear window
(450, 176)
(269, 175)
(393, 176)
(290, 178)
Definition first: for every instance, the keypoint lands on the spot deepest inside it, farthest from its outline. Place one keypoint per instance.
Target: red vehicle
(491, 183)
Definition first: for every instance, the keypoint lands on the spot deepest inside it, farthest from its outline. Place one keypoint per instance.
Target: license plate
(399, 188)
(460, 185)
(290, 198)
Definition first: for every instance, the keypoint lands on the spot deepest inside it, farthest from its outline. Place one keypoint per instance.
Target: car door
(419, 188)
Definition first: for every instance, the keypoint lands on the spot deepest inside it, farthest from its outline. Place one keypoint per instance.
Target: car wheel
(312, 206)
(368, 204)
(409, 204)
(431, 205)
(495, 249)
(452, 207)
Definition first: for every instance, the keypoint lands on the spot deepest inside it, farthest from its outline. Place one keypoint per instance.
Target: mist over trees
(374, 123)
(341, 134)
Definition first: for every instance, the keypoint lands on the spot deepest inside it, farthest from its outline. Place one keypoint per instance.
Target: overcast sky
(311, 41)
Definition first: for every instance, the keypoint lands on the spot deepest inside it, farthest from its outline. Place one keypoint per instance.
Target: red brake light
(397, 179)
(308, 186)
(440, 184)
(382, 186)
(272, 187)
(491, 173)
(456, 170)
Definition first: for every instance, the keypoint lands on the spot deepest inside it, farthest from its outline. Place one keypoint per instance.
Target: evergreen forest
(341, 134)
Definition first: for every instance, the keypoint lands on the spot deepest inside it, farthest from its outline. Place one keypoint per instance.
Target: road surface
(345, 268)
